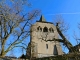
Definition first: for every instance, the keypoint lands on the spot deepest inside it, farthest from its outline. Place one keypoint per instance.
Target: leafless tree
(61, 28)
(76, 36)
(14, 23)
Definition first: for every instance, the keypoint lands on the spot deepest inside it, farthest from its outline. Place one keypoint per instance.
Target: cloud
(64, 13)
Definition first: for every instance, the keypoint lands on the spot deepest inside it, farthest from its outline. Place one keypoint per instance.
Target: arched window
(55, 52)
(51, 29)
(39, 28)
(45, 29)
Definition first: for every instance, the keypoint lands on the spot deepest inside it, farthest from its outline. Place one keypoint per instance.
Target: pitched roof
(42, 19)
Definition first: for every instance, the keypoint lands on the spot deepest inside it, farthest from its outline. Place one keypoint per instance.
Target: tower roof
(42, 19)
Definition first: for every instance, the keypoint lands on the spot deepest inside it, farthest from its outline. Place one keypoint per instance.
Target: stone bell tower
(42, 31)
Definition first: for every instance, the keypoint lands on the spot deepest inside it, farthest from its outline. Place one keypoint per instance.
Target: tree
(14, 22)
(62, 27)
(64, 40)
(76, 36)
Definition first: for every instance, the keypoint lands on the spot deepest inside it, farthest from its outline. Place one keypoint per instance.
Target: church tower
(42, 31)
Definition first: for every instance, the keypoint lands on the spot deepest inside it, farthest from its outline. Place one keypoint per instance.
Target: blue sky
(69, 9)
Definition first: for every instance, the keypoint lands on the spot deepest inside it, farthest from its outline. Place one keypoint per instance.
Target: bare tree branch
(13, 23)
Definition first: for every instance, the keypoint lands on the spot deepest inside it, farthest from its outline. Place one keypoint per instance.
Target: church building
(42, 31)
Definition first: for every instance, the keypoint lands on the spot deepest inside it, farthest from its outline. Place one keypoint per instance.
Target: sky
(68, 9)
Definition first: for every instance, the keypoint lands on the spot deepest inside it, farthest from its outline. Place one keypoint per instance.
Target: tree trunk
(64, 40)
